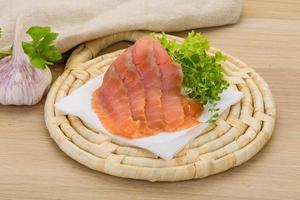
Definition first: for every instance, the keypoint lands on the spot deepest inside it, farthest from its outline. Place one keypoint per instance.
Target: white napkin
(164, 144)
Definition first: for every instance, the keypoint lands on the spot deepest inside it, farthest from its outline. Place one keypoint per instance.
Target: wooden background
(267, 38)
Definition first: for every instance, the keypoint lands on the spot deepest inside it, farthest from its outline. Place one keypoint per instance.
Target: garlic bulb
(20, 83)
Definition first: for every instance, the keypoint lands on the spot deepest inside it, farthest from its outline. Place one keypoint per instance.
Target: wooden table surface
(267, 38)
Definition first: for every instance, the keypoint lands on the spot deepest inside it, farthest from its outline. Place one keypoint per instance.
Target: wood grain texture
(267, 38)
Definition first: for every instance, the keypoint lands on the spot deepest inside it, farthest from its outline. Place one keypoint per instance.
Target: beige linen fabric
(77, 21)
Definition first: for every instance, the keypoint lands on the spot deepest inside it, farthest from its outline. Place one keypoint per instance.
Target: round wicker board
(238, 135)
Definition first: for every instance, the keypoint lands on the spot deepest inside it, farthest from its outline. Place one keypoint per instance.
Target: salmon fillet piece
(135, 89)
(111, 104)
(179, 112)
(171, 78)
(142, 57)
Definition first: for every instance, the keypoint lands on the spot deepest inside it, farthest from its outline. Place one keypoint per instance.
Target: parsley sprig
(4, 52)
(41, 50)
(203, 79)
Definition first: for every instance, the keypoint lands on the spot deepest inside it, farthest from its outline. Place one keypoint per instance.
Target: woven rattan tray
(238, 135)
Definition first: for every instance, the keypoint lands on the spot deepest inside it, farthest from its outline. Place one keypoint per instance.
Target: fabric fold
(83, 20)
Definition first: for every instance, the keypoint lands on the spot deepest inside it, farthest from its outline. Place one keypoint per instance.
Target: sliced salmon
(135, 89)
(179, 111)
(171, 78)
(142, 57)
(141, 93)
(113, 108)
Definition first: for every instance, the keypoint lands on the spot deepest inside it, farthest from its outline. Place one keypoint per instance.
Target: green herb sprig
(41, 50)
(4, 52)
(203, 79)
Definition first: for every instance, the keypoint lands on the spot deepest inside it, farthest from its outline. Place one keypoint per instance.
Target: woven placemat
(240, 132)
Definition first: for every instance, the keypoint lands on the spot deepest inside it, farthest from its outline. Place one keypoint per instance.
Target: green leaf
(28, 47)
(195, 58)
(38, 62)
(213, 118)
(41, 50)
(219, 56)
(4, 52)
(51, 53)
(48, 39)
(37, 32)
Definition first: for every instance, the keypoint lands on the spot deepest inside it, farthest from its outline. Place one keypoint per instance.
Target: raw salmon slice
(135, 89)
(142, 56)
(179, 112)
(111, 103)
(171, 78)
